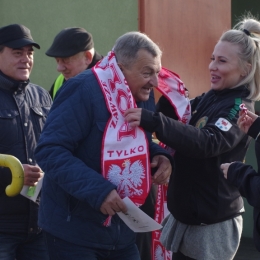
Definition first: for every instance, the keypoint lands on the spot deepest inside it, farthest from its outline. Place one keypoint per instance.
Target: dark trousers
(60, 249)
(23, 246)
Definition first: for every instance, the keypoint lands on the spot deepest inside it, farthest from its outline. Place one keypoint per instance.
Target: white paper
(25, 189)
(136, 219)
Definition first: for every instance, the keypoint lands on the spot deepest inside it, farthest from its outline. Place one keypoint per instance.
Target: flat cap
(69, 42)
(16, 36)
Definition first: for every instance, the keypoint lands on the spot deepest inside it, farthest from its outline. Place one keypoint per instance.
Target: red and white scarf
(173, 89)
(125, 153)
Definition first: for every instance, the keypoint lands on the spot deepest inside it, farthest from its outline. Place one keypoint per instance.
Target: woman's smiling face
(225, 68)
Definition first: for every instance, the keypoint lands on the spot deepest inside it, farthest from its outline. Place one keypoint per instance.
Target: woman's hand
(133, 116)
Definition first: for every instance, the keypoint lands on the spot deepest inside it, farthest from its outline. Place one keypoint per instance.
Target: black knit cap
(16, 36)
(69, 42)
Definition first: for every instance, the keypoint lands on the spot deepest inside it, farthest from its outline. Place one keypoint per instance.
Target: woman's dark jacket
(198, 194)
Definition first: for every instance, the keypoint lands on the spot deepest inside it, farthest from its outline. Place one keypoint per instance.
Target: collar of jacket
(242, 89)
(97, 57)
(10, 84)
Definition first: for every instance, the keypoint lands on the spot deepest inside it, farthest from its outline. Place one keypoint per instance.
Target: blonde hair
(246, 34)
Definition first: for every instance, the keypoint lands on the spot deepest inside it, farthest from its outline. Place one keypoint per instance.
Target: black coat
(23, 111)
(247, 180)
(198, 193)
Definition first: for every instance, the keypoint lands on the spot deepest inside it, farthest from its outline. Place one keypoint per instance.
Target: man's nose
(154, 80)
(60, 66)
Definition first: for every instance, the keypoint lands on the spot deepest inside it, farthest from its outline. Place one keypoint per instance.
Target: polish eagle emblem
(159, 253)
(128, 179)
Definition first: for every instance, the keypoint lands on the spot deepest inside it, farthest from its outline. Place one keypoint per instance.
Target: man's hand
(112, 204)
(133, 116)
(224, 167)
(164, 170)
(32, 174)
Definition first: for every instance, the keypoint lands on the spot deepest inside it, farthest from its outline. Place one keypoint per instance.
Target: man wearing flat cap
(73, 49)
(23, 110)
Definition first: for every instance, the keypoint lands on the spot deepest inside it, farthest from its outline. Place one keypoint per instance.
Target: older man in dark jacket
(23, 111)
(81, 189)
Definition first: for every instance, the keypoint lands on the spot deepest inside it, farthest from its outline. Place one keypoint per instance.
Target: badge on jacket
(223, 124)
(201, 122)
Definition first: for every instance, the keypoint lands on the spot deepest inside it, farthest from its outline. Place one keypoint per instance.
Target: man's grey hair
(127, 46)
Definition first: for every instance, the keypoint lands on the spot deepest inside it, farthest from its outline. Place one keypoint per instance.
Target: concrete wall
(105, 19)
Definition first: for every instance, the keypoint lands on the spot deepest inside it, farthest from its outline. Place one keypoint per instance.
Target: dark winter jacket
(23, 111)
(247, 180)
(69, 152)
(198, 194)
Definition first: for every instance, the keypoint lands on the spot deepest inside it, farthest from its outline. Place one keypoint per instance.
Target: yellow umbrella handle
(17, 171)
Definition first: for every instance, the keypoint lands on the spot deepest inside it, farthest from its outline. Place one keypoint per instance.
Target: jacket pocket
(9, 130)
(39, 116)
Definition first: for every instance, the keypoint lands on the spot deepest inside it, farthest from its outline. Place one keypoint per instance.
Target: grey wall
(105, 19)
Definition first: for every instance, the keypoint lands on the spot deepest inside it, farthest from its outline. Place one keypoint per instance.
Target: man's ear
(89, 56)
(120, 66)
